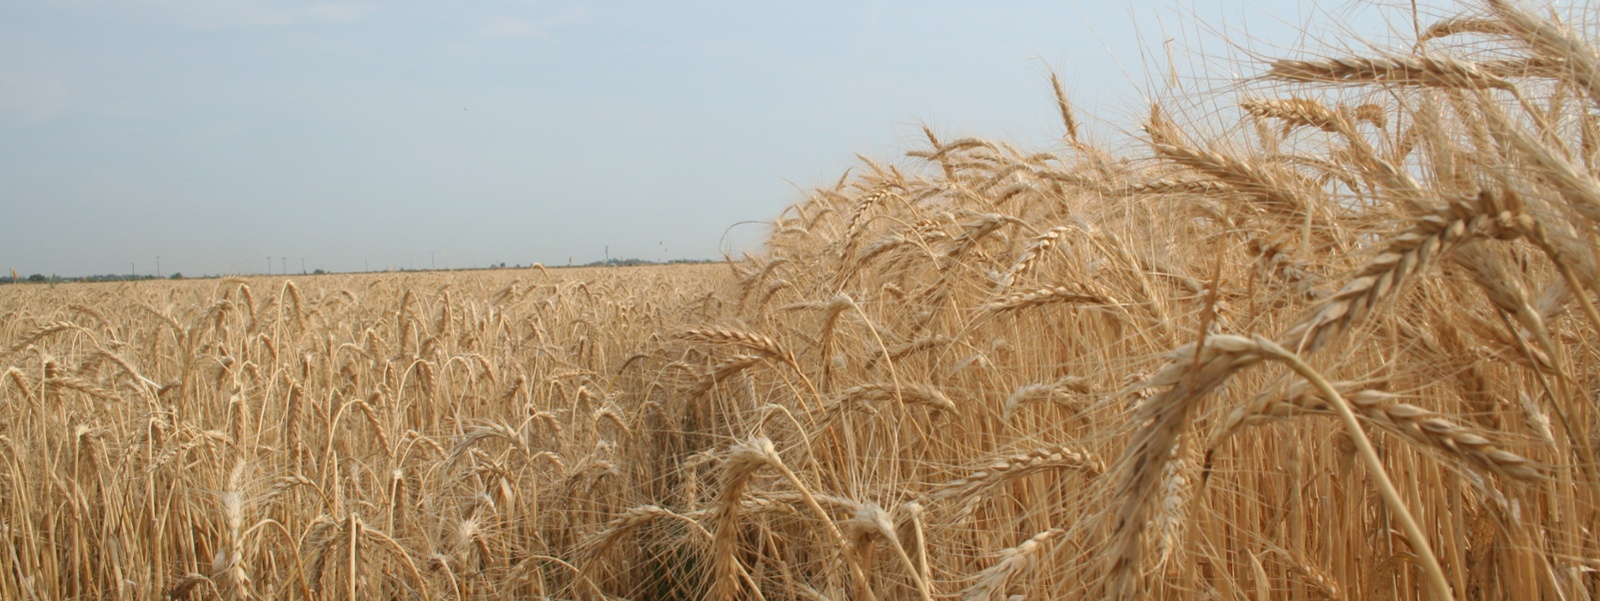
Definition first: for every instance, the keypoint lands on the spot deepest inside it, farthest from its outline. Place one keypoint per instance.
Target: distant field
(196, 437)
(1331, 335)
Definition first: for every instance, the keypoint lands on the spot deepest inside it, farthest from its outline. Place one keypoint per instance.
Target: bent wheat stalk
(1198, 369)
(1391, 496)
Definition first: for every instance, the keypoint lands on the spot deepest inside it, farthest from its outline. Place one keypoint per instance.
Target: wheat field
(1327, 333)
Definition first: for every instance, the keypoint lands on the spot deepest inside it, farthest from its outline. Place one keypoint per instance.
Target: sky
(219, 135)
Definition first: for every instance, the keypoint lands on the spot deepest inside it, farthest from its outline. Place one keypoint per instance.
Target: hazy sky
(217, 133)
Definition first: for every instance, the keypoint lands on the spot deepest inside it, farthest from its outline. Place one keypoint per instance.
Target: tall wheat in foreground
(1342, 347)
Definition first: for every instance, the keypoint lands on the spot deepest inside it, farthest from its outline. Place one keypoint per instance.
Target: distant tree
(318, 272)
(176, 275)
(38, 277)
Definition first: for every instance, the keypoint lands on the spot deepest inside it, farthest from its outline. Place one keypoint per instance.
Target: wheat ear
(993, 580)
(1407, 70)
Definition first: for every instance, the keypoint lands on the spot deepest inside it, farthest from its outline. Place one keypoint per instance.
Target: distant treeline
(635, 262)
(38, 278)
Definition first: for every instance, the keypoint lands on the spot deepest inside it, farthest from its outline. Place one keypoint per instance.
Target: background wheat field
(1328, 332)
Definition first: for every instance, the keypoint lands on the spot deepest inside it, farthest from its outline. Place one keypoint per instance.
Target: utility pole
(158, 266)
(431, 263)
(284, 262)
(133, 270)
(302, 265)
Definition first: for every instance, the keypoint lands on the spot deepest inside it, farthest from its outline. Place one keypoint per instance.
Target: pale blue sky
(217, 133)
